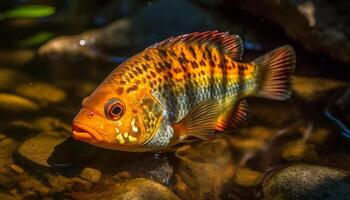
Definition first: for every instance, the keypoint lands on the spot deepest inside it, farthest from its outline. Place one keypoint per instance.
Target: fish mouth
(84, 133)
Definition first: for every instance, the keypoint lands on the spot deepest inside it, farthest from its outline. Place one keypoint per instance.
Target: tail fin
(276, 68)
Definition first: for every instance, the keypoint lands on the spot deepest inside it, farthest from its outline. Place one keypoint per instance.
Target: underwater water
(55, 53)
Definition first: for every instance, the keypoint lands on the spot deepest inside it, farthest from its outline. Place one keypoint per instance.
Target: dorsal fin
(228, 44)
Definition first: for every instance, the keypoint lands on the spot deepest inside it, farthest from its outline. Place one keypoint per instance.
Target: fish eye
(114, 109)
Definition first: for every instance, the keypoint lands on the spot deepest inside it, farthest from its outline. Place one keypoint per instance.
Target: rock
(320, 26)
(206, 168)
(38, 149)
(17, 169)
(13, 104)
(41, 92)
(4, 196)
(311, 89)
(136, 189)
(247, 178)
(319, 136)
(10, 78)
(16, 57)
(60, 184)
(153, 23)
(28, 183)
(122, 175)
(302, 181)
(7, 148)
(47, 124)
(91, 174)
(246, 144)
(299, 150)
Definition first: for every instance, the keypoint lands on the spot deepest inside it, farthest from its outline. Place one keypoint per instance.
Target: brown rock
(206, 168)
(91, 174)
(299, 150)
(247, 178)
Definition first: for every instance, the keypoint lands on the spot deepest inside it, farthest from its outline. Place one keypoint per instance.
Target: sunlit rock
(42, 92)
(12, 104)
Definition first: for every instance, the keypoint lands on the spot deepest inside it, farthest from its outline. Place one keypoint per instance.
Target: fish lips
(85, 133)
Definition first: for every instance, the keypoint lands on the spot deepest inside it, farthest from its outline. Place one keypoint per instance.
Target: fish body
(185, 87)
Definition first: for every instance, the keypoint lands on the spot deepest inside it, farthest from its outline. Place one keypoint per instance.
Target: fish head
(117, 121)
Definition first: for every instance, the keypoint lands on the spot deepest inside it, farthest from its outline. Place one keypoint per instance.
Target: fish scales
(188, 74)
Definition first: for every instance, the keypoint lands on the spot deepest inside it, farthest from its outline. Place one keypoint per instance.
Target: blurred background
(54, 53)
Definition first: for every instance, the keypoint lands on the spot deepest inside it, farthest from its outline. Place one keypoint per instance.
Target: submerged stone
(205, 168)
(247, 178)
(42, 92)
(299, 150)
(13, 104)
(91, 174)
(136, 189)
(7, 148)
(303, 181)
(10, 78)
(38, 149)
(311, 89)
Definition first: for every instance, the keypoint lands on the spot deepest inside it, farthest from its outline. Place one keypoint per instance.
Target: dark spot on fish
(134, 72)
(202, 72)
(193, 52)
(214, 58)
(211, 63)
(132, 88)
(138, 70)
(160, 80)
(173, 53)
(177, 70)
(194, 65)
(122, 82)
(162, 53)
(158, 69)
(137, 82)
(148, 76)
(167, 65)
(153, 73)
(151, 84)
(210, 56)
(144, 67)
(119, 90)
(204, 55)
(147, 57)
(202, 63)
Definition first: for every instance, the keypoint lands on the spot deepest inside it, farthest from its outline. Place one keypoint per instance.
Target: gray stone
(307, 182)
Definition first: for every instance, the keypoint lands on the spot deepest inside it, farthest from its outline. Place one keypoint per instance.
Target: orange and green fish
(185, 87)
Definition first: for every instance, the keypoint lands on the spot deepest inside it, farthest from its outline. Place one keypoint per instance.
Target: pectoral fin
(200, 122)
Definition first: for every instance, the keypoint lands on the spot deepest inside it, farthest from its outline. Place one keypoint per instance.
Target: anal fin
(236, 116)
(200, 122)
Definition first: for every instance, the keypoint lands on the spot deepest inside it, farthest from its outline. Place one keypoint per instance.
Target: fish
(183, 89)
